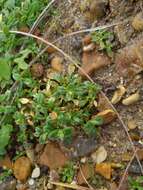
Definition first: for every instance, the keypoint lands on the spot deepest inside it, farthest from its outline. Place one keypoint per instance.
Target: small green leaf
(5, 134)
(5, 69)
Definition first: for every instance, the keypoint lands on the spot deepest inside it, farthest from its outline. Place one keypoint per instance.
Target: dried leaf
(104, 169)
(118, 94)
(107, 115)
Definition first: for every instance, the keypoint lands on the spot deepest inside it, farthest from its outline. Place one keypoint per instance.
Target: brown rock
(104, 169)
(56, 64)
(53, 157)
(129, 60)
(6, 162)
(87, 171)
(92, 61)
(132, 124)
(107, 115)
(131, 99)
(51, 49)
(37, 70)
(98, 8)
(137, 22)
(22, 168)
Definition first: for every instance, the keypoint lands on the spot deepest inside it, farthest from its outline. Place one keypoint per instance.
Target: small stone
(22, 168)
(83, 160)
(56, 64)
(36, 172)
(100, 155)
(104, 169)
(131, 99)
(98, 8)
(132, 124)
(137, 22)
(37, 70)
(31, 182)
(83, 146)
(51, 49)
(52, 156)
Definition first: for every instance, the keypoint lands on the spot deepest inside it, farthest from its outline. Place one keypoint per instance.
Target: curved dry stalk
(70, 186)
(124, 175)
(40, 17)
(75, 33)
(76, 63)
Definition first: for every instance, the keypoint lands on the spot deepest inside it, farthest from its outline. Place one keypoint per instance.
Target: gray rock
(83, 146)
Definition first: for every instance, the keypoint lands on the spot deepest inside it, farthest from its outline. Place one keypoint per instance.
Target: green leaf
(5, 134)
(5, 69)
(90, 126)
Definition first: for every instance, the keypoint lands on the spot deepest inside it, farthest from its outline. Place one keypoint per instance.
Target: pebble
(98, 8)
(36, 172)
(31, 182)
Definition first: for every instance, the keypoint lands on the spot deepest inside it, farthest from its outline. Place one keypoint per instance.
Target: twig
(76, 63)
(75, 33)
(71, 186)
(125, 173)
(40, 17)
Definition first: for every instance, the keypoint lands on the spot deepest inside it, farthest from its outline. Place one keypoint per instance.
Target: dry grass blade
(75, 33)
(124, 175)
(40, 17)
(76, 63)
(71, 186)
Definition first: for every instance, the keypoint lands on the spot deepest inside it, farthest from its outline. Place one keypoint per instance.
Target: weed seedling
(103, 39)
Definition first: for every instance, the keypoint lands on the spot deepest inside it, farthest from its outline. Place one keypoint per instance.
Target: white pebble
(36, 172)
(31, 182)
